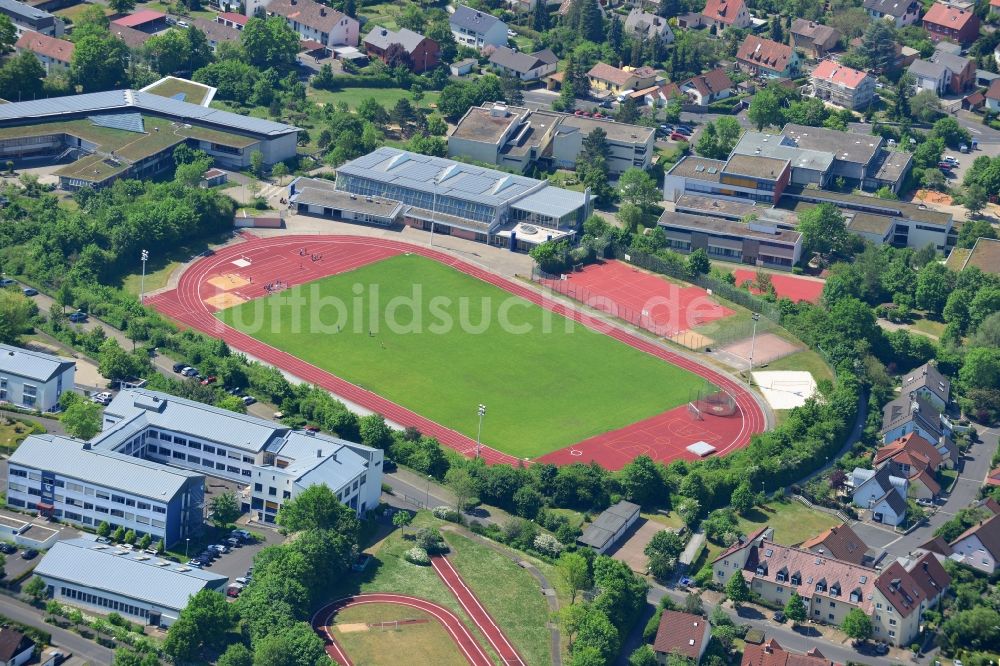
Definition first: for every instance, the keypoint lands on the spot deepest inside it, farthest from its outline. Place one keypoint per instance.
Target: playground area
(785, 286)
(640, 298)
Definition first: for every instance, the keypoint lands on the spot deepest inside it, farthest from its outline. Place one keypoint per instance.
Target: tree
(765, 109)
(575, 571)
(104, 529)
(540, 17)
(643, 656)
(231, 402)
(8, 34)
(412, 17)
(463, 485)
(374, 431)
(934, 284)
(973, 230)
(293, 646)
(742, 499)
(317, 508)
(737, 590)
(145, 542)
(21, 77)
(236, 654)
(925, 106)
(225, 509)
(795, 609)
(118, 536)
(512, 92)
(114, 362)
(641, 482)
(693, 604)
(122, 6)
(82, 419)
(698, 263)
(35, 588)
(270, 43)
(877, 49)
(257, 163)
(99, 63)
(857, 625)
(637, 187)
(663, 550)
(129, 537)
(823, 229)
(16, 311)
(953, 134)
(402, 519)
(975, 199)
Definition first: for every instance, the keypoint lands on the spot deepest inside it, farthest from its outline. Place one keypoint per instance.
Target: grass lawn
(807, 360)
(13, 434)
(509, 593)
(930, 327)
(155, 279)
(73, 13)
(387, 97)
(414, 644)
(672, 521)
(947, 478)
(194, 93)
(169, 8)
(547, 382)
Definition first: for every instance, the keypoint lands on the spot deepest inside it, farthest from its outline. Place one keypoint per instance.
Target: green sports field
(547, 382)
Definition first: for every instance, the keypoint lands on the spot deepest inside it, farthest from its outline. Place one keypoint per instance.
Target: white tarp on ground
(785, 389)
(701, 449)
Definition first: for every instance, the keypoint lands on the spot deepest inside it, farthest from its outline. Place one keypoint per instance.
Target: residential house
(900, 12)
(830, 588)
(929, 574)
(930, 383)
(661, 95)
(524, 66)
(34, 380)
(54, 54)
(946, 21)
(931, 76)
(915, 459)
(962, 70)
(993, 96)
(722, 14)
(993, 478)
(645, 26)
(881, 493)
(422, 53)
(216, 32)
(316, 22)
(477, 29)
(839, 542)
(605, 78)
(995, 6)
(979, 546)
(708, 87)
(133, 38)
(843, 86)
(15, 647)
(915, 413)
(816, 39)
(764, 57)
(682, 634)
(770, 653)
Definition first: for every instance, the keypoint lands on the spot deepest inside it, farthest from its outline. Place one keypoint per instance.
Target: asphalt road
(67, 640)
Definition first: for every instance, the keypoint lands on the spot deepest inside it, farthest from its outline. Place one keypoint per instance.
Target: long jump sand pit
(228, 281)
(785, 389)
(351, 627)
(223, 301)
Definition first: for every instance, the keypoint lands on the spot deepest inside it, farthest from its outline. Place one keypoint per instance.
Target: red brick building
(424, 53)
(946, 22)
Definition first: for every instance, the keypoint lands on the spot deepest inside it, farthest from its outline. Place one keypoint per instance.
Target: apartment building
(477, 29)
(764, 57)
(723, 14)
(34, 380)
(315, 22)
(900, 12)
(26, 17)
(54, 54)
(946, 21)
(894, 598)
(843, 86)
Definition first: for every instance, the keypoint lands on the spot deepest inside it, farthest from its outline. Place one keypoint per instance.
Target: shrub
(417, 555)
(547, 544)
(431, 541)
(447, 513)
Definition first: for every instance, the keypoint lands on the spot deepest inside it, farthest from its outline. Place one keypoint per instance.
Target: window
(248, 460)
(246, 472)
(220, 452)
(272, 491)
(180, 440)
(258, 488)
(142, 505)
(194, 445)
(208, 449)
(117, 499)
(164, 451)
(194, 460)
(159, 509)
(129, 502)
(892, 633)
(892, 622)
(178, 455)
(75, 487)
(117, 513)
(101, 509)
(286, 495)
(220, 466)
(232, 470)
(830, 616)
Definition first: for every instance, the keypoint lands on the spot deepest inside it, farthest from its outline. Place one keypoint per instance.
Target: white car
(102, 398)
(511, 33)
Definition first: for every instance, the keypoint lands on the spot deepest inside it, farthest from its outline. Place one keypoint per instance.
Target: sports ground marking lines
(185, 304)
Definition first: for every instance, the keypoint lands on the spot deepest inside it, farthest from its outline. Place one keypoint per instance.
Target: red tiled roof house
(767, 58)
(683, 634)
(843, 86)
(54, 54)
(724, 14)
(948, 22)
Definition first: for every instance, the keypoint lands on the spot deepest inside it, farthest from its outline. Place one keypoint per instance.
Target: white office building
(34, 380)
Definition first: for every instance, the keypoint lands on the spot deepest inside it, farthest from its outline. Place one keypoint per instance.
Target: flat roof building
(609, 527)
(104, 578)
(34, 380)
(758, 243)
(25, 17)
(130, 133)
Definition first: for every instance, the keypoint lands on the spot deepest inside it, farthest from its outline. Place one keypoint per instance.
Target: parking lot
(235, 563)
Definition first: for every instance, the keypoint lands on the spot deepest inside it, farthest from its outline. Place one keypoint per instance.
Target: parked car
(189, 371)
(779, 617)
(219, 548)
(179, 367)
(234, 590)
(7, 548)
(925, 501)
(242, 581)
(29, 291)
(195, 563)
(963, 148)
(211, 379)
(242, 535)
(684, 129)
(102, 398)
(945, 165)
(950, 158)
(233, 542)
(312, 428)
(249, 400)
(29, 554)
(7, 282)
(678, 137)
(77, 317)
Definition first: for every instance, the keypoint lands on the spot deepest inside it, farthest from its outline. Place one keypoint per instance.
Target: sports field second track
(425, 340)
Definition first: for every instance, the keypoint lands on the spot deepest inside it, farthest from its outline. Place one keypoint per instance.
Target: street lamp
(427, 495)
(753, 339)
(479, 434)
(187, 545)
(142, 282)
(434, 202)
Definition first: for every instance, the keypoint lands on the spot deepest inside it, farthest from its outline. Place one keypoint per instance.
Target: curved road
(468, 645)
(186, 305)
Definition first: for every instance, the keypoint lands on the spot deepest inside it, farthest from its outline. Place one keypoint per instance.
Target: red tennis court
(786, 286)
(640, 298)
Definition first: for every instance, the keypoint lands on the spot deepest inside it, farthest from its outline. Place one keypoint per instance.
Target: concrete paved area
(630, 548)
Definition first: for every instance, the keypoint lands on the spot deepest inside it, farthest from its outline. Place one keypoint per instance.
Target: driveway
(630, 549)
(67, 640)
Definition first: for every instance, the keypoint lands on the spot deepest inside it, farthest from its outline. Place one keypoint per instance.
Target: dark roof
(988, 532)
(307, 12)
(741, 543)
(215, 31)
(899, 587)
(522, 62)
(841, 542)
(894, 499)
(383, 38)
(929, 377)
(890, 7)
(711, 82)
(681, 633)
(930, 575)
(473, 19)
(133, 38)
(608, 524)
(816, 32)
(12, 643)
(904, 408)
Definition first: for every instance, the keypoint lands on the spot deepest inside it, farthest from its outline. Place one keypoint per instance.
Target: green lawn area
(947, 478)
(387, 97)
(194, 93)
(547, 382)
(807, 360)
(929, 326)
(155, 279)
(170, 8)
(13, 433)
(672, 521)
(381, 14)
(509, 593)
(425, 643)
(72, 13)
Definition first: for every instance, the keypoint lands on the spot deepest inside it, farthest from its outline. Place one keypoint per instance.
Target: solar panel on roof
(129, 122)
(180, 97)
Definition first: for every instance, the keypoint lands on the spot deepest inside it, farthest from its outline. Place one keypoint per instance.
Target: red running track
(459, 633)
(487, 626)
(276, 258)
